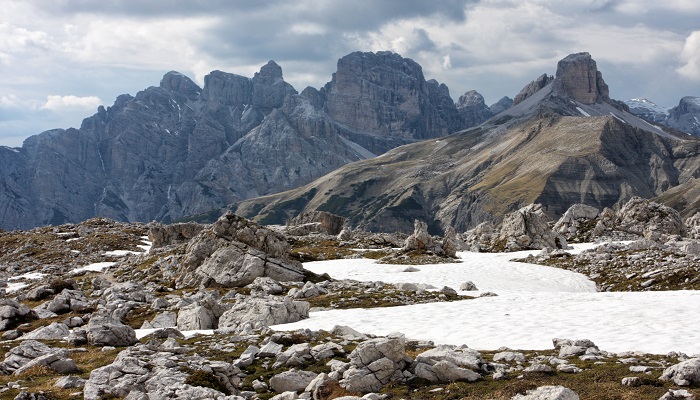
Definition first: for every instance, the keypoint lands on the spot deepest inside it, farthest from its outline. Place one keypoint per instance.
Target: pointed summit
(271, 70)
(174, 81)
(578, 78)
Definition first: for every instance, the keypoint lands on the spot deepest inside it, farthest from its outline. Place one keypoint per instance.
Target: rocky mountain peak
(174, 81)
(271, 70)
(578, 77)
(470, 98)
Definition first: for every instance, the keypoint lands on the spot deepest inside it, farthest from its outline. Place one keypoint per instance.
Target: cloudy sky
(60, 59)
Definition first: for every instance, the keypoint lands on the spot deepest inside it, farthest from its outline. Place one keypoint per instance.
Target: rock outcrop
(650, 219)
(527, 229)
(578, 77)
(234, 251)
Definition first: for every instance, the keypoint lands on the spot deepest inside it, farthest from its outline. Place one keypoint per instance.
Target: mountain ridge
(561, 144)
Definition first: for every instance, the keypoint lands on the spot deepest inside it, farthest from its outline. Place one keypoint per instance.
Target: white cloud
(690, 56)
(58, 103)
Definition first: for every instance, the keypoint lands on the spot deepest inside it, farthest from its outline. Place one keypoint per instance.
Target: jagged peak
(271, 70)
(179, 83)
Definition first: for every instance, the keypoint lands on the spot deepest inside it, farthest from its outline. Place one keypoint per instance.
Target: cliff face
(386, 99)
(178, 149)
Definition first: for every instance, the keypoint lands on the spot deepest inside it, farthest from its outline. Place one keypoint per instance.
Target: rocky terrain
(564, 141)
(105, 309)
(176, 149)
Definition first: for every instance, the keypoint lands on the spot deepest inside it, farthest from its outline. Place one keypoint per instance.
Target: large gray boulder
(548, 393)
(685, 373)
(292, 380)
(54, 331)
(375, 363)
(12, 314)
(259, 312)
(106, 331)
(234, 251)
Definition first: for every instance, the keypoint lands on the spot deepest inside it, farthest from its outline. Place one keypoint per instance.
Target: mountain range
(685, 116)
(564, 141)
(176, 150)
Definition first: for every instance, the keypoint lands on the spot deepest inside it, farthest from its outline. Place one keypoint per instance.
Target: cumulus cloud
(690, 57)
(58, 103)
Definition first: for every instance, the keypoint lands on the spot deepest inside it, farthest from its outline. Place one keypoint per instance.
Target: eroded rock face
(420, 239)
(315, 222)
(234, 251)
(387, 96)
(578, 78)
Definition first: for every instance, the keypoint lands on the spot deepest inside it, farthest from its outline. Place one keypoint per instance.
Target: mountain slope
(564, 143)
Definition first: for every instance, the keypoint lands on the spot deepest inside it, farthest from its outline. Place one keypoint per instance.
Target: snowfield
(535, 304)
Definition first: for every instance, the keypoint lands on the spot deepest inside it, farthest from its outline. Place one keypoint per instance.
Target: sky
(61, 59)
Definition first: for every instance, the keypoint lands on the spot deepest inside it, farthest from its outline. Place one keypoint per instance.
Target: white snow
(147, 246)
(120, 253)
(95, 267)
(618, 118)
(535, 304)
(15, 286)
(583, 112)
(30, 275)
(491, 272)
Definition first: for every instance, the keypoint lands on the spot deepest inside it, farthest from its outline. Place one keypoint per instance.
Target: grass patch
(388, 296)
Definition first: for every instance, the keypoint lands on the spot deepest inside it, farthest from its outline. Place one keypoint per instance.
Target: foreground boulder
(250, 313)
(548, 393)
(447, 363)
(106, 331)
(686, 373)
(375, 363)
(233, 251)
